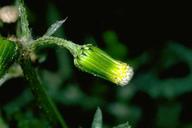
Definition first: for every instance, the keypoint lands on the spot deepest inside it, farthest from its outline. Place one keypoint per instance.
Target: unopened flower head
(95, 61)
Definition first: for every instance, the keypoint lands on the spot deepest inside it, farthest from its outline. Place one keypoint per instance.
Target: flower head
(95, 61)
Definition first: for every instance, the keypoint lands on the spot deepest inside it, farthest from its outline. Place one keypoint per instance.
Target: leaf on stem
(54, 27)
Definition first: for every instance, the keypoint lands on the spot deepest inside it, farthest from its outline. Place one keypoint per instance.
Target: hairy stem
(47, 41)
(44, 101)
(23, 27)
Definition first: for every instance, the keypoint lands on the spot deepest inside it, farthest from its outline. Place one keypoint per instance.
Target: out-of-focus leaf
(18, 103)
(168, 88)
(70, 95)
(150, 83)
(139, 61)
(32, 123)
(171, 119)
(175, 52)
(119, 110)
(114, 47)
(125, 125)
(97, 120)
(2, 123)
(126, 93)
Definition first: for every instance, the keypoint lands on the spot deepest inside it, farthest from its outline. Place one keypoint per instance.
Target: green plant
(23, 50)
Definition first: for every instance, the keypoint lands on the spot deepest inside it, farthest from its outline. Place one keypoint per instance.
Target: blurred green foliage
(158, 96)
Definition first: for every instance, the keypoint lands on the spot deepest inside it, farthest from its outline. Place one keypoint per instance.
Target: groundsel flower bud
(8, 53)
(95, 61)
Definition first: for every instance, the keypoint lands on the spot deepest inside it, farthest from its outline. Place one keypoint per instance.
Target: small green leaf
(97, 120)
(8, 53)
(54, 27)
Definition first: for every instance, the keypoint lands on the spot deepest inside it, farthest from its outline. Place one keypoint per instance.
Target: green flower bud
(95, 61)
(8, 52)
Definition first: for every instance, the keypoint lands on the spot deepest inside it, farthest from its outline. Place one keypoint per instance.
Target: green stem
(24, 33)
(47, 41)
(45, 102)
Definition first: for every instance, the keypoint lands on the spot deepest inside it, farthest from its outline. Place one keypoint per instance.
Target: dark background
(155, 38)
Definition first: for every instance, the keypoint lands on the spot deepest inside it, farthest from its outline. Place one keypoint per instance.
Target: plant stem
(24, 33)
(45, 102)
(47, 41)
